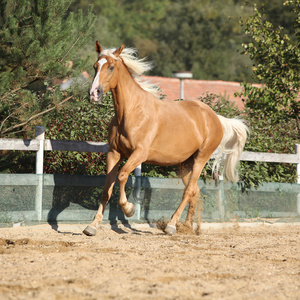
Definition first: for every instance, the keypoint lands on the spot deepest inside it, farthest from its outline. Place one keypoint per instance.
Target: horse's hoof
(129, 210)
(170, 229)
(90, 230)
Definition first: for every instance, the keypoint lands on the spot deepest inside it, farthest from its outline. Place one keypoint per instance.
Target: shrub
(85, 121)
(265, 136)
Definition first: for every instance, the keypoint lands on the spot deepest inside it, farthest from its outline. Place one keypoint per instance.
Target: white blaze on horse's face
(96, 90)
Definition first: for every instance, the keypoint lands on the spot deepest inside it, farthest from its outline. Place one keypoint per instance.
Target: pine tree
(38, 40)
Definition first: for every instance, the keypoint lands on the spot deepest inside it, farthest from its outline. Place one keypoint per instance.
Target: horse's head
(105, 73)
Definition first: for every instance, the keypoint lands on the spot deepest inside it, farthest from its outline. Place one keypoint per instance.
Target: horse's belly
(168, 155)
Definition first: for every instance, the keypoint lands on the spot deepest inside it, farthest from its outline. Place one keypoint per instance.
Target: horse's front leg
(113, 162)
(135, 159)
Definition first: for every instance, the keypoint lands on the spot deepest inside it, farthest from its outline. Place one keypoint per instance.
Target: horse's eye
(111, 68)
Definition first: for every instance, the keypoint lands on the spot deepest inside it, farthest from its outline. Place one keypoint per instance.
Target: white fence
(40, 144)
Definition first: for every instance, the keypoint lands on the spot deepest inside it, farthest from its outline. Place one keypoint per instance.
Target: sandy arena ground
(235, 262)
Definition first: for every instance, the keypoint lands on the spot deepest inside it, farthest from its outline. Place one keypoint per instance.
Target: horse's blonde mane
(136, 66)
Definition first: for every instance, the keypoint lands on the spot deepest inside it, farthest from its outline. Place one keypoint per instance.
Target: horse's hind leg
(185, 171)
(113, 162)
(191, 192)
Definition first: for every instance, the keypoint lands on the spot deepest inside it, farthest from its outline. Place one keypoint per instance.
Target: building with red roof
(193, 89)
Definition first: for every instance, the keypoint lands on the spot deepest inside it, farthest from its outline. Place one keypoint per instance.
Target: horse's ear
(98, 48)
(119, 51)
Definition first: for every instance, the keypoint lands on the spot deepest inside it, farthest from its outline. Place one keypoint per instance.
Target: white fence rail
(40, 144)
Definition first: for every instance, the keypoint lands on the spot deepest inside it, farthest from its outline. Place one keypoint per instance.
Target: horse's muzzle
(96, 95)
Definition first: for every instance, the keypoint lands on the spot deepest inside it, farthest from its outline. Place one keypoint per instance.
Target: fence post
(138, 185)
(221, 198)
(297, 151)
(39, 135)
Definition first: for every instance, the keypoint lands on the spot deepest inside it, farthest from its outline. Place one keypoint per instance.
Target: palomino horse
(148, 130)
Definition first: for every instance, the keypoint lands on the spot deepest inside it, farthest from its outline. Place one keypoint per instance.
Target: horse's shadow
(89, 197)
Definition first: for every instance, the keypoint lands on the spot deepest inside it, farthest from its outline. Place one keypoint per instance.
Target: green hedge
(89, 122)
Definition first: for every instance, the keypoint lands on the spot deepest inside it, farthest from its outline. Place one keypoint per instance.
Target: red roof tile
(196, 88)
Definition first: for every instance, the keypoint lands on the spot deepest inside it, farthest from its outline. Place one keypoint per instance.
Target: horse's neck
(128, 96)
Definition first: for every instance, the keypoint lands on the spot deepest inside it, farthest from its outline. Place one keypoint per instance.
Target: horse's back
(182, 128)
(191, 114)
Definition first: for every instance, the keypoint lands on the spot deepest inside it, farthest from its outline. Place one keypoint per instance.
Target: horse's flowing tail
(230, 148)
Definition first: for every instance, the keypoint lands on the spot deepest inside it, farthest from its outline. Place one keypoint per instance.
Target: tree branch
(14, 112)
(38, 115)
(19, 88)
(70, 49)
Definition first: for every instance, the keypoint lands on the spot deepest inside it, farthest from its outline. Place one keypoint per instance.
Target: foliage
(276, 58)
(196, 41)
(195, 35)
(17, 162)
(203, 37)
(38, 40)
(272, 109)
(272, 138)
(88, 121)
(277, 14)
(84, 122)
(264, 137)
(129, 22)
